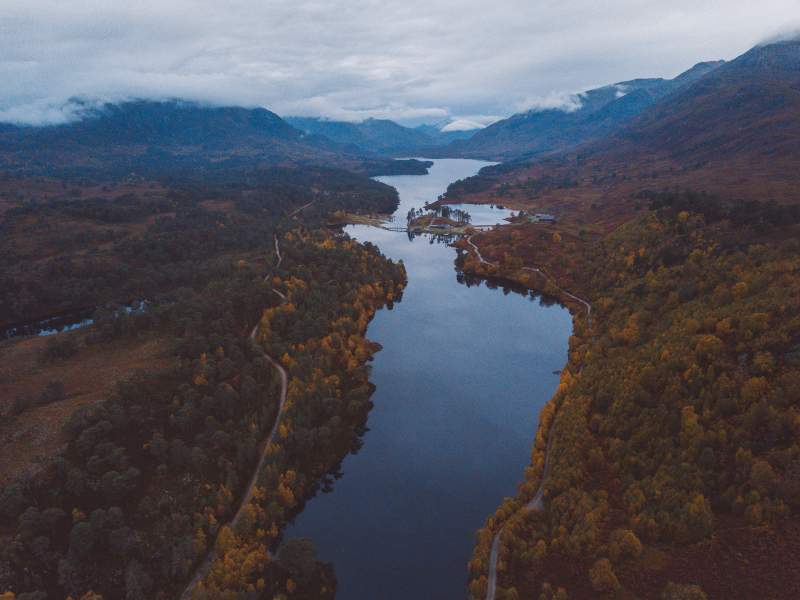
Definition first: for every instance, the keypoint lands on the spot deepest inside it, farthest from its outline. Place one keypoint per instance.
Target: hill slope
(735, 131)
(380, 136)
(441, 135)
(157, 137)
(600, 112)
(749, 106)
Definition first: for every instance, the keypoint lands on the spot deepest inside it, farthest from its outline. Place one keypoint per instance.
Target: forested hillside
(332, 290)
(671, 444)
(72, 247)
(672, 440)
(146, 481)
(372, 135)
(173, 138)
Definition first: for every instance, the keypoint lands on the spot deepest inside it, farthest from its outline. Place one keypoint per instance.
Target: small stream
(462, 376)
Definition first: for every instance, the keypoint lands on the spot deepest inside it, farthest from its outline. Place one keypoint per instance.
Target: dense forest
(75, 252)
(332, 290)
(672, 440)
(150, 478)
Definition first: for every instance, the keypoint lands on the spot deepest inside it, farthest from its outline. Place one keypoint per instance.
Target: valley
(551, 355)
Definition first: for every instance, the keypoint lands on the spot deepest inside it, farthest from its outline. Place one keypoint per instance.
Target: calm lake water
(460, 381)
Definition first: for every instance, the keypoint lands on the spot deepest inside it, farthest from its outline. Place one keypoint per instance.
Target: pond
(462, 376)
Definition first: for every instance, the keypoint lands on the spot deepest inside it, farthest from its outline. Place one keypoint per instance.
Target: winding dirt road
(202, 570)
(585, 304)
(478, 252)
(537, 502)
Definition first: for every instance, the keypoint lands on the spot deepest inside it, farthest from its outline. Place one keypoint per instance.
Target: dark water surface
(67, 321)
(460, 381)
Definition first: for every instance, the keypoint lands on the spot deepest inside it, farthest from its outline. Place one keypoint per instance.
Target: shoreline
(548, 414)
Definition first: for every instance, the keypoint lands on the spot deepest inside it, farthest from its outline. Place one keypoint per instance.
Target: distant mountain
(734, 131)
(373, 135)
(156, 137)
(596, 113)
(381, 136)
(749, 106)
(440, 136)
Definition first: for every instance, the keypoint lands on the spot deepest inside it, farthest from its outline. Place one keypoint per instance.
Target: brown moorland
(87, 377)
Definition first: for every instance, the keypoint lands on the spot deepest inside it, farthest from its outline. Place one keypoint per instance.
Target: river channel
(462, 376)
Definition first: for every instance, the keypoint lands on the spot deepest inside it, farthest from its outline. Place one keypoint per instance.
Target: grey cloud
(419, 60)
(554, 100)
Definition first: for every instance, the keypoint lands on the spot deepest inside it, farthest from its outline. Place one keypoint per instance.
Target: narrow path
(202, 570)
(586, 305)
(278, 254)
(537, 502)
(541, 272)
(478, 252)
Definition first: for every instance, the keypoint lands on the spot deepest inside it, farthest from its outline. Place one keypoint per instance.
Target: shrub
(60, 346)
(602, 576)
(52, 392)
(629, 544)
(21, 403)
(677, 591)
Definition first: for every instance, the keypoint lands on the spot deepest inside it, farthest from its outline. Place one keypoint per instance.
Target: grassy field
(31, 435)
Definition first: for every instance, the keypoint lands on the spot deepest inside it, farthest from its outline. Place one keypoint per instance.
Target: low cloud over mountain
(416, 61)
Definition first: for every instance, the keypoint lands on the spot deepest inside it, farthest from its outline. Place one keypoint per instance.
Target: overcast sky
(411, 60)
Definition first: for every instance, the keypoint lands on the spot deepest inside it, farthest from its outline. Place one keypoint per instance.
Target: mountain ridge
(601, 111)
(734, 131)
(152, 137)
(381, 136)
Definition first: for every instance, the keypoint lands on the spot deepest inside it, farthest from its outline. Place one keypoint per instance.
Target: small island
(440, 219)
